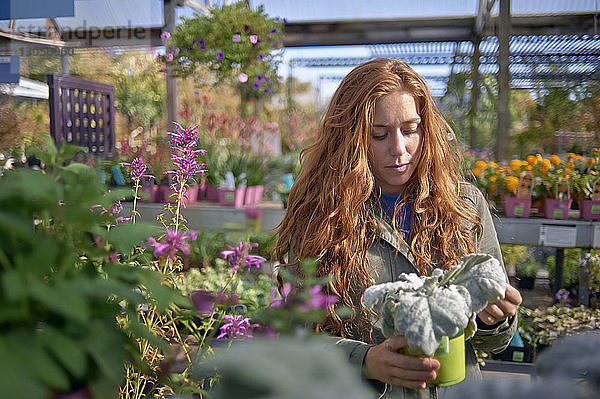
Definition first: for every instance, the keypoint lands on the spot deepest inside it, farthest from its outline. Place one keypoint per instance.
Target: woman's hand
(502, 309)
(385, 363)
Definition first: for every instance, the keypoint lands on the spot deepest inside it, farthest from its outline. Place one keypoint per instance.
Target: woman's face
(395, 142)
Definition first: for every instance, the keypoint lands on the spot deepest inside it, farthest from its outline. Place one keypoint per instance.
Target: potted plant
(254, 180)
(526, 271)
(436, 314)
(215, 158)
(586, 189)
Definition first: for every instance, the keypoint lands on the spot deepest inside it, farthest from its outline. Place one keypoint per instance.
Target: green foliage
(546, 325)
(215, 32)
(67, 314)
(139, 89)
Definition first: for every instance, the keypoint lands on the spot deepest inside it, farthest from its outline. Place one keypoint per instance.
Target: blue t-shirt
(404, 213)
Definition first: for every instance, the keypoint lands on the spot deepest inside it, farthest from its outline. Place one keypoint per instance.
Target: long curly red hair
(330, 214)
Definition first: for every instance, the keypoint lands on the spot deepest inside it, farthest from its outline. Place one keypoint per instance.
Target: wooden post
(475, 91)
(502, 133)
(559, 261)
(172, 92)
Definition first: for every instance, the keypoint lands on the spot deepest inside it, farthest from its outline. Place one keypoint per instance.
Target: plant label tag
(518, 210)
(525, 185)
(558, 214)
(228, 196)
(596, 195)
(595, 209)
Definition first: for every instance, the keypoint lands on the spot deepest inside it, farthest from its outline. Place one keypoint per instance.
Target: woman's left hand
(502, 309)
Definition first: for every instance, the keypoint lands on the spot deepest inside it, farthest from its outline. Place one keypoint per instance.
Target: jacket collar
(386, 232)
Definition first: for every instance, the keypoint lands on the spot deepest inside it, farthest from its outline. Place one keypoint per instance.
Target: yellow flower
(580, 158)
(492, 189)
(493, 178)
(593, 172)
(568, 171)
(481, 165)
(528, 167)
(512, 182)
(555, 159)
(590, 162)
(532, 160)
(476, 172)
(570, 155)
(571, 163)
(539, 157)
(515, 165)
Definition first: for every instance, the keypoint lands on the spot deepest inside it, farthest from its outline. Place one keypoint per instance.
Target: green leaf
(13, 286)
(15, 380)
(105, 344)
(62, 298)
(40, 364)
(126, 236)
(65, 349)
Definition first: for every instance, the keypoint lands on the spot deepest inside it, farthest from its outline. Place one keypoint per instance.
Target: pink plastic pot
(556, 209)
(258, 192)
(249, 196)
(516, 207)
(232, 197)
(212, 193)
(589, 209)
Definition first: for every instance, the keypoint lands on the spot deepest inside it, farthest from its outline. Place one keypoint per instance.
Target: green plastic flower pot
(451, 355)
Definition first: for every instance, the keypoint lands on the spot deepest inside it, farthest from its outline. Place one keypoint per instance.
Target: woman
(379, 194)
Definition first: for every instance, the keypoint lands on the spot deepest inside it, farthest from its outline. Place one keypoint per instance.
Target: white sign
(556, 235)
(596, 238)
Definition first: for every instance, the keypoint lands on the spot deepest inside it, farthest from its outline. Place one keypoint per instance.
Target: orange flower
(493, 165)
(515, 165)
(590, 162)
(476, 172)
(481, 165)
(570, 155)
(492, 189)
(545, 167)
(555, 159)
(532, 160)
(493, 178)
(512, 182)
(528, 167)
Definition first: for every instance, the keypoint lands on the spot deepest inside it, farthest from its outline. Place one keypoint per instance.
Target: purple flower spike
(220, 55)
(136, 169)
(319, 300)
(240, 256)
(171, 242)
(260, 57)
(236, 326)
(274, 31)
(256, 86)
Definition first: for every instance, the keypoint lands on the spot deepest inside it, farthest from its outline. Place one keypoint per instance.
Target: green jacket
(391, 258)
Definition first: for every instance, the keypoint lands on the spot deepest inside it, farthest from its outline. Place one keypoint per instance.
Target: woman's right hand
(385, 363)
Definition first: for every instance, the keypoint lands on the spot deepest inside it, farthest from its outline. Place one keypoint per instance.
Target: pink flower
(165, 36)
(253, 39)
(169, 57)
(286, 290)
(319, 300)
(237, 38)
(243, 77)
(236, 326)
(171, 242)
(239, 257)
